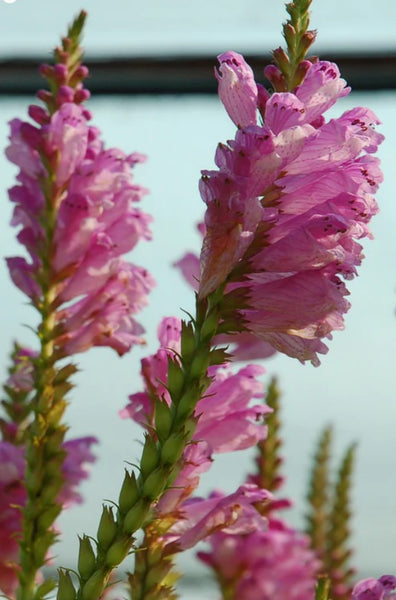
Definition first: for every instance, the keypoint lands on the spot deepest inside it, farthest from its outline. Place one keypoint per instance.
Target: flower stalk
(160, 461)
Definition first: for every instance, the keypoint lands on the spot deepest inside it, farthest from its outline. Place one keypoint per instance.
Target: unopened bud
(187, 341)
(86, 558)
(135, 516)
(155, 483)
(118, 551)
(175, 378)
(173, 448)
(129, 493)
(107, 528)
(150, 456)
(163, 419)
(95, 585)
(66, 589)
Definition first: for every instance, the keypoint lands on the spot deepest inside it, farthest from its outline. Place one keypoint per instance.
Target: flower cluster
(272, 561)
(13, 497)
(292, 194)
(76, 206)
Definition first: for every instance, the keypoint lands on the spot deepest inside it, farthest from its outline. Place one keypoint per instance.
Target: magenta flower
(76, 206)
(267, 563)
(234, 514)
(372, 589)
(13, 497)
(292, 195)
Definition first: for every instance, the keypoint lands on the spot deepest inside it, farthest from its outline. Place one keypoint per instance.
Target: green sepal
(219, 356)
(175, 378)
(40, 546)
(155, 483)
(187, 403)
(94, 586)
(63, 374)
(150, 456)
(163, 420)
(45, 588)
(47, 518)
(322, 588)
(66, 590)
(135, 516)
(200, 363)
(86, 558)
(173, 448)
(129, 493)
(118, 551)
(209, 326)
(107, 529)
(187, 342)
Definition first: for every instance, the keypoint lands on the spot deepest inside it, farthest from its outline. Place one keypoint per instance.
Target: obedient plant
(291, 196)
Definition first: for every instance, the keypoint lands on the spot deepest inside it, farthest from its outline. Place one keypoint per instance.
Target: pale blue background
(355, 386)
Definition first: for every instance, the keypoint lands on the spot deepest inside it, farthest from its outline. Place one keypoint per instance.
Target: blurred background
(154, 62)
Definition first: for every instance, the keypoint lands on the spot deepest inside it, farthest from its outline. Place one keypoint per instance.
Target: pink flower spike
(237, 88)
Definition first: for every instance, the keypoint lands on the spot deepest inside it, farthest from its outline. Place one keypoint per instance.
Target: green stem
(160, 461)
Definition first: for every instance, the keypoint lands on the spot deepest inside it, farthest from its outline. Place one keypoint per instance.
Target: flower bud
(175, 378)
(66, 589)
(187, 341)
(173, 448)
(86, 558)
(135, 516)
(200, 363)
(163, 419)
(95, 585)
(150, 456)
(118, 551)
(129, 493)
(186, 404)
(107, 528)
(155, 483)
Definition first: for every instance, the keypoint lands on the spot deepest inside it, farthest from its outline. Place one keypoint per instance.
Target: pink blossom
(75, 468)
(265, 563)
(373, 589)
(285, 209)
(92, 221)
(233, 514)
(13, 498)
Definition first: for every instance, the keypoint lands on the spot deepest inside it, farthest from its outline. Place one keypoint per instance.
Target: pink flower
(75, 468)
(76, 203)
(373, 589)
(232, 514)
(13, 498)
(265, 563)
(286, 207)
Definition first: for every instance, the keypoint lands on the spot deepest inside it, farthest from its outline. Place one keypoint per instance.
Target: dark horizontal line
(187, 74)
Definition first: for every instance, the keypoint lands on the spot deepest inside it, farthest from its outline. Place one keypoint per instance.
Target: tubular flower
(267, 563)
(372, 589)
(292, 195)
(76, 207)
